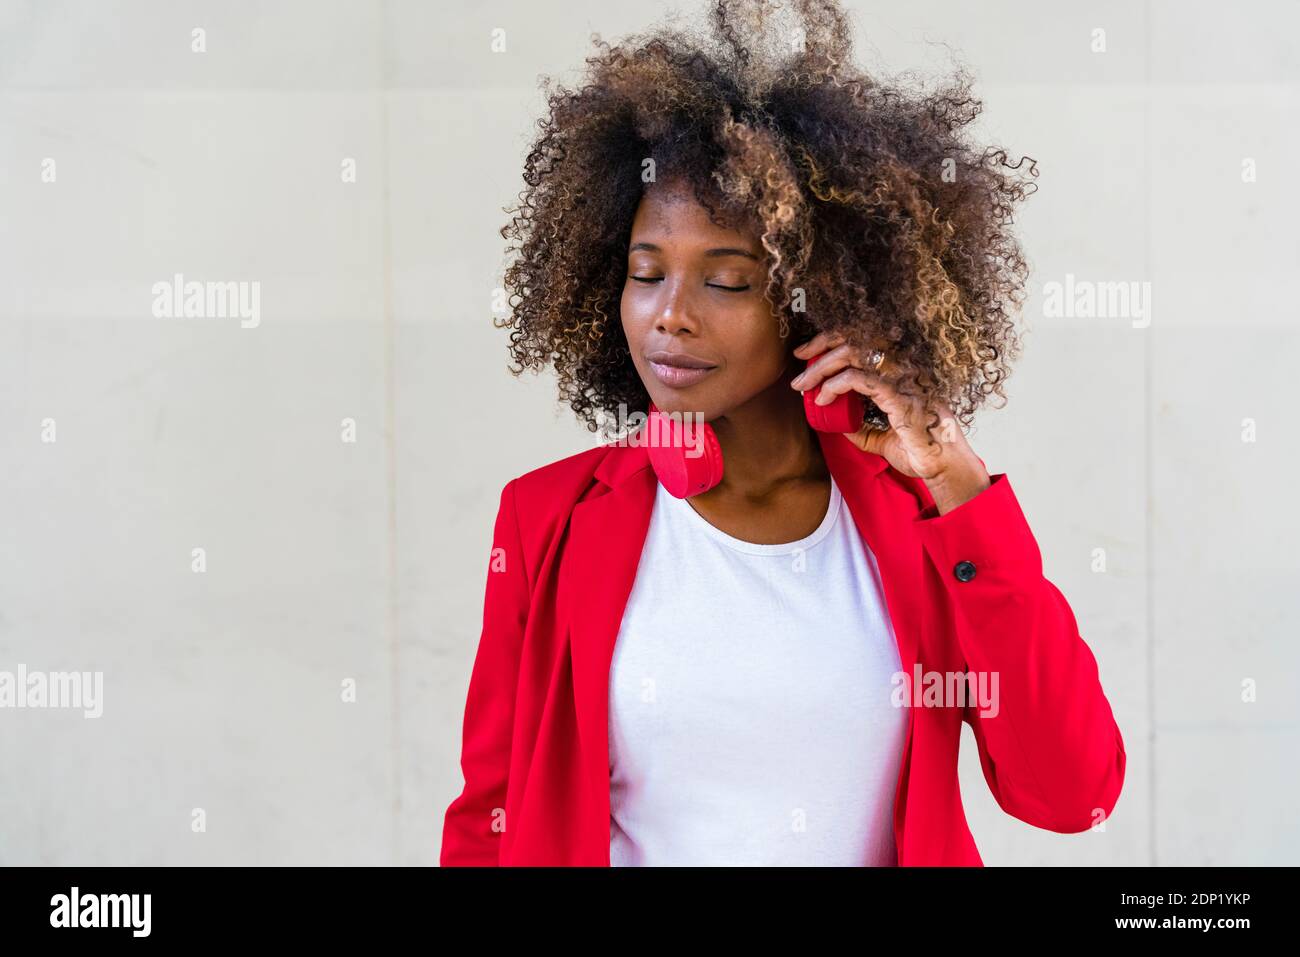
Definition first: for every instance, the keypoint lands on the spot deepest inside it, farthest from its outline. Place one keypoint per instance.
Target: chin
(682, 401)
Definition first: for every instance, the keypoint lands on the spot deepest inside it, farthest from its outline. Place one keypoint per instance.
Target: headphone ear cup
(845, 414)
(685, 455)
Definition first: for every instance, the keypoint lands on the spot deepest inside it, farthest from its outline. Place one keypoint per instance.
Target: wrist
(957, 484)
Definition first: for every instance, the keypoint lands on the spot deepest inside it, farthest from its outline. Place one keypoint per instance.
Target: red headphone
(687, 458)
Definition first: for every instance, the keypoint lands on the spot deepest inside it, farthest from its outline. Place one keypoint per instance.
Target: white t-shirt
(750, 714)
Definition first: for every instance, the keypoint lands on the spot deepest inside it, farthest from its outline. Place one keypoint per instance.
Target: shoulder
(554, 488)
(537, 504)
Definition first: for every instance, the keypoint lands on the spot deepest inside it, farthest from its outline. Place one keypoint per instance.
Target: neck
(766, 444)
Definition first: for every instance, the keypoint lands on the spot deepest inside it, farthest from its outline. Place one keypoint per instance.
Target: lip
(678, 369)
(682, 360)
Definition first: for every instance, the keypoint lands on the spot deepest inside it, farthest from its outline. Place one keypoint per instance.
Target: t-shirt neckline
(757, 548)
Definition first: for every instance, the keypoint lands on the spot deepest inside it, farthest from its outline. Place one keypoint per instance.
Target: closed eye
(711, 285)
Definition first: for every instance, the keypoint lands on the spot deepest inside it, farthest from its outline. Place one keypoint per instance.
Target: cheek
(764, 349)
(629, 316)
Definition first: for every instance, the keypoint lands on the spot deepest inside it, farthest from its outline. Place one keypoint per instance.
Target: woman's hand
(940, 456)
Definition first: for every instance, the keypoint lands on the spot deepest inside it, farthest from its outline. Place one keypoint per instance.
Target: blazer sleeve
(475, 820)
(1052, 753)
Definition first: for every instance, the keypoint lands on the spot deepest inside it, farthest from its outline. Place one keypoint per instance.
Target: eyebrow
(721, 251)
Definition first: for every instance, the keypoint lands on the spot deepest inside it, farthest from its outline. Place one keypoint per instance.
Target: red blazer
(568, 537)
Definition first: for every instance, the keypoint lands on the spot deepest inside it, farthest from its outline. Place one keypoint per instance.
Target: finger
(827, 364)
(877, 442)
(818, 344)
(871, 440)
(882, 366)
(870, 384)
(805, 349)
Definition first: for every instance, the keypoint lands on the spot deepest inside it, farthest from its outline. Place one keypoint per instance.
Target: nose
(677, 313)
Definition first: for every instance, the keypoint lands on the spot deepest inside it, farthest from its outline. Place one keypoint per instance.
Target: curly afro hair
(880, 221)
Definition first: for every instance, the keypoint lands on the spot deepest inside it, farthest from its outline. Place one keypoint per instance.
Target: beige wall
(329, 560)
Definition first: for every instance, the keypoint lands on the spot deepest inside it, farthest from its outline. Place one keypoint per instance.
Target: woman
(773, 669)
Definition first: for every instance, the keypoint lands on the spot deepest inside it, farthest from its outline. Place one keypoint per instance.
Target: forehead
(670, 209)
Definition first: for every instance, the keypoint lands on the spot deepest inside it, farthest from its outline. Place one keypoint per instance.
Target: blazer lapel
(607, 534)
